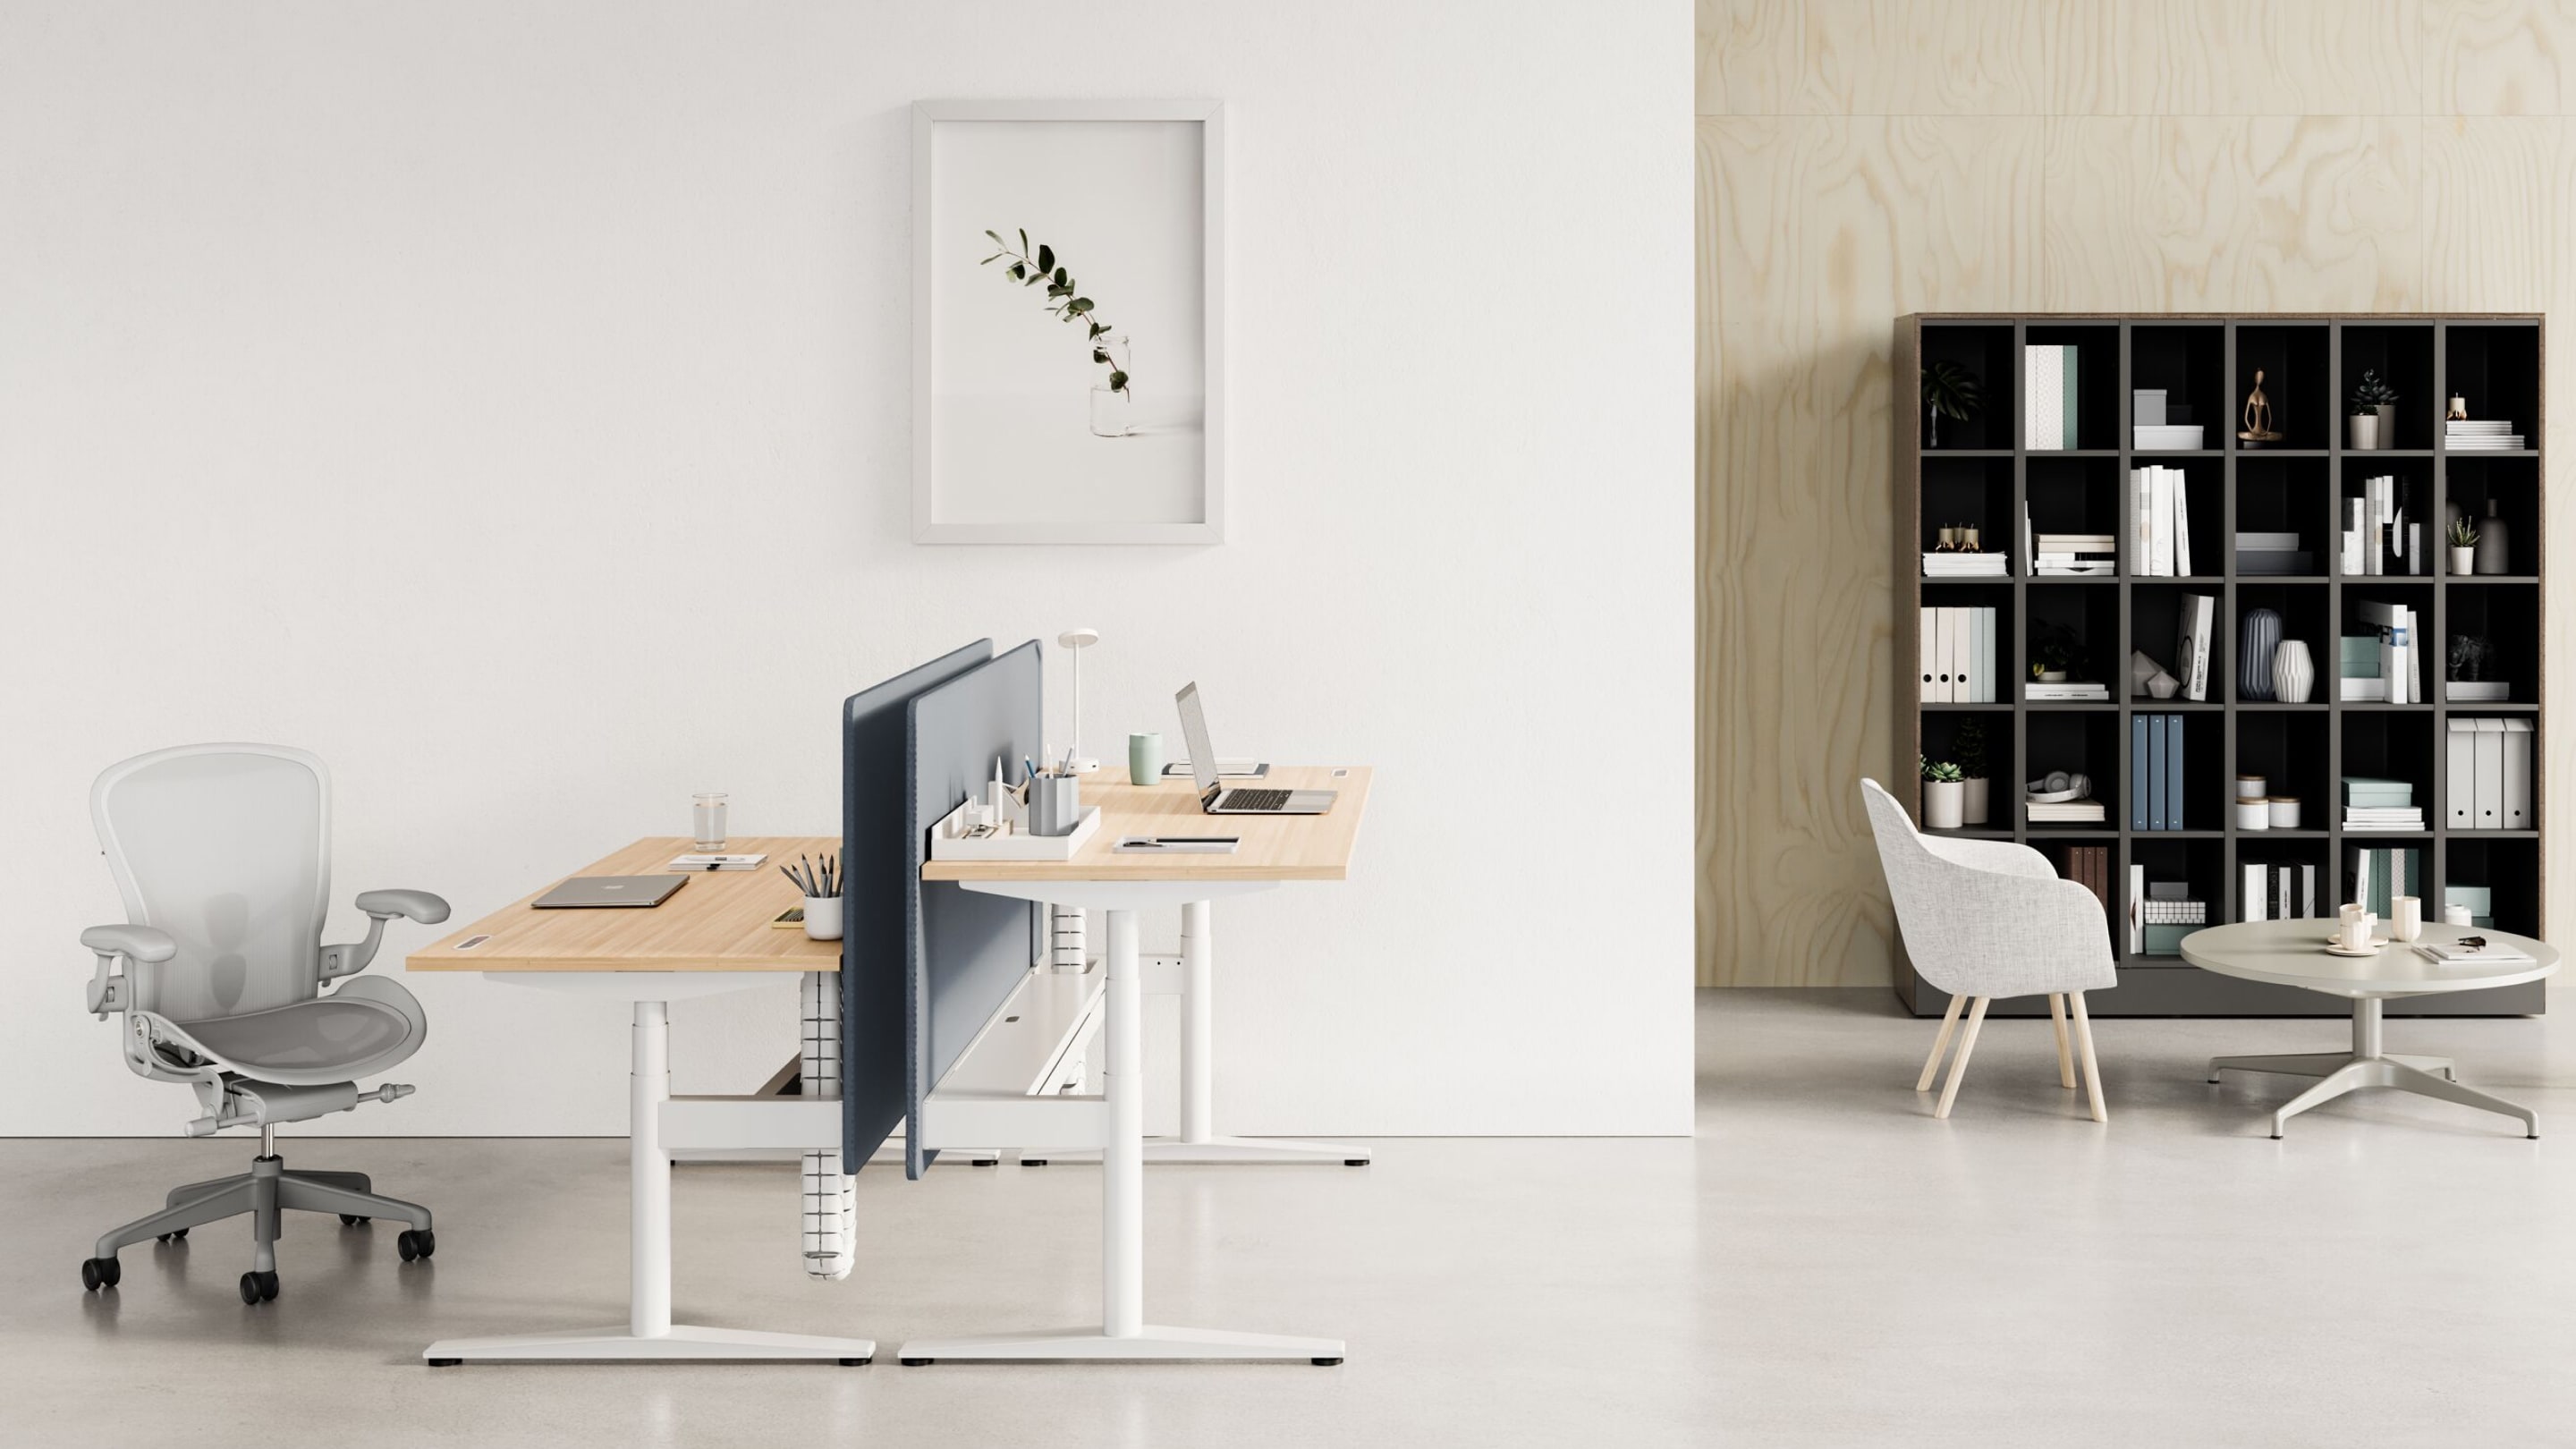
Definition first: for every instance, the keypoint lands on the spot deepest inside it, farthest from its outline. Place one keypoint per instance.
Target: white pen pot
(2464, 561)
(1943, 800)
(1972, 802)
(823, 918)
(2365, 431)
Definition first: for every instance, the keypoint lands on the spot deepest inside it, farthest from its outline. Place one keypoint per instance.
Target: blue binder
(2173, 772)
(2137, 772)
(2156, 772)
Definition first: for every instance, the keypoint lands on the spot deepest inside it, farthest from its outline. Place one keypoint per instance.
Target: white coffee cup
(2356, 931)
(2405, 918)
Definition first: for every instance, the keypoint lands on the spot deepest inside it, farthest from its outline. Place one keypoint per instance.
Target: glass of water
(707, 818)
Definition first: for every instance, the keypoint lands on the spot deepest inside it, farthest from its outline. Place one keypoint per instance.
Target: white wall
(510, 404)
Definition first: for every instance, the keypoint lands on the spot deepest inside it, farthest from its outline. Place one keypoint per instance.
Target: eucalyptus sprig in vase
(1113, 400)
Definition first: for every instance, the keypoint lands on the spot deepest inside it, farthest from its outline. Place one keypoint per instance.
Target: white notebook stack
(2462, 436)
(1949, 565)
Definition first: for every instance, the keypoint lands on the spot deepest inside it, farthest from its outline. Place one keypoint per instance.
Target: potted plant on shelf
(2374, 412)
(2056, 652)
(1943, 794)
(2464, 546)
(1949, 391)
(1968, 752)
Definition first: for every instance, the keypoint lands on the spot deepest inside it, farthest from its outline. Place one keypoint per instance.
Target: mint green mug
(1144, 759)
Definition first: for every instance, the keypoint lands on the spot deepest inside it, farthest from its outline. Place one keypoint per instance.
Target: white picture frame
(1001, 453)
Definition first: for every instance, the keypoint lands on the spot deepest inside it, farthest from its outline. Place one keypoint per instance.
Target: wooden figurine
(2258, 417)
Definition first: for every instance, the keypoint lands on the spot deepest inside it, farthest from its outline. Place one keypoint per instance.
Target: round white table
(2293, 953)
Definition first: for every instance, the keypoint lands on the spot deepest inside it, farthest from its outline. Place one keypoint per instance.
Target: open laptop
(1217, 798)
(610, 892)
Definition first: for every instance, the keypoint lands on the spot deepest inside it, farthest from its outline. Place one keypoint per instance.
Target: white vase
(1942, 802)
(2294, 673)
(2464, 561)
(1972, 802)
(2365, 431)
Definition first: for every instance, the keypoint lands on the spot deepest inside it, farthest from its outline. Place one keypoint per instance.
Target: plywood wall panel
(2248, 213)
(2149, 154)
(2500, 57)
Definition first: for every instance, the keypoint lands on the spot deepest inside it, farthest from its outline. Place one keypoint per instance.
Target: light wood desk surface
(1275, 847)
(719, 921)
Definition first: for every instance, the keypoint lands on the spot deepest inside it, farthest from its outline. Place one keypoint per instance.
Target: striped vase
(2261, 636)
(2293, 672)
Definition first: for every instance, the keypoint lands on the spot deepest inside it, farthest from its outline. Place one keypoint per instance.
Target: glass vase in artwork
(1113, 410)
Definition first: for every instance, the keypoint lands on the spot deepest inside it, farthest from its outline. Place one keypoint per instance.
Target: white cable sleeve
(829, 1199)
(1068, 938)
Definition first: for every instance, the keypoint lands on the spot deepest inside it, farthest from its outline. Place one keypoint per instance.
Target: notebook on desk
(610, 892)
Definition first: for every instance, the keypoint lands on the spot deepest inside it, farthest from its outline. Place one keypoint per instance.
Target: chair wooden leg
(2065, 1060)
(2092, 1069)
(1940, 1044)
(1959, 1063)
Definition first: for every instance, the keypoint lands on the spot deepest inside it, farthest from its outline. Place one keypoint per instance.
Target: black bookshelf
(1981, 473)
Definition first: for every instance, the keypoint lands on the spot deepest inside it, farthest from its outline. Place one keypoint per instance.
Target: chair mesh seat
(303, 1036)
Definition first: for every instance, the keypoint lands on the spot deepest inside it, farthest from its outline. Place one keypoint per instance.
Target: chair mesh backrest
(226, 848)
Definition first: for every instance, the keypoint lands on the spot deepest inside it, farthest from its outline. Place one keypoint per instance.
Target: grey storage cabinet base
(1982, 474)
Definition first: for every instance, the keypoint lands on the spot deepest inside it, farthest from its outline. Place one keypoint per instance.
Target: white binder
(2490, 796)
(1927, 658)
(1945, 657)
(2517, 774)
(2460, 779)
(2253, 895)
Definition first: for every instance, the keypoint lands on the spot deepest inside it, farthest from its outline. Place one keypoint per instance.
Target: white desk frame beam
(648, 1333)
(1123, 1333)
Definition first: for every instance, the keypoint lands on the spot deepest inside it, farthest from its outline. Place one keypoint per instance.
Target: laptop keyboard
(1256, 800)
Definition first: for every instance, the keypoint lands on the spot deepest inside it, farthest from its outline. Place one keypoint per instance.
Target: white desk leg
(1199, 1140)
(649, 1332)
(1123, 1332)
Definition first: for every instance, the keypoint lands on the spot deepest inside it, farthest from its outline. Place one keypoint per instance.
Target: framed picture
(1068, 322)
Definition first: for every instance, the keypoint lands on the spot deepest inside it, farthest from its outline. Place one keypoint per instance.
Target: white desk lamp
(1075, 641)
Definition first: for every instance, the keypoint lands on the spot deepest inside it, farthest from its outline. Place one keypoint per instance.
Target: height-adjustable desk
(1275, 850)
(713, 936)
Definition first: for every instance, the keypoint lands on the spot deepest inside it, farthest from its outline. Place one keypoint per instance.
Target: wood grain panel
(719, 921)
(2497, 193)
(1748, 56)
(2261, 213)
(1814, 233)
(1926, 57)
(2238, 58)
(2500, 57)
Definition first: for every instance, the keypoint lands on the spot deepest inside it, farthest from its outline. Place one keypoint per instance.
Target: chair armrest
(419, 906)
(352, 957)
(130, 942)
(142, 943)
(2000, 856)
(1988, 933)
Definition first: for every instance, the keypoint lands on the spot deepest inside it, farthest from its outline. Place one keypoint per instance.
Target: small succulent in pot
(1939, 772)
(2371, 393)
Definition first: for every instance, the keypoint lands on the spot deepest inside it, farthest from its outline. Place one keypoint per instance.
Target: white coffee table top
(2293, 953)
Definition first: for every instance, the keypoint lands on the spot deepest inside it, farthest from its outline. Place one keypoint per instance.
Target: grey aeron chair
(223, 855)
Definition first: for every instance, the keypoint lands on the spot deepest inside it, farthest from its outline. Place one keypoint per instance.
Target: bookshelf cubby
(1982, 474)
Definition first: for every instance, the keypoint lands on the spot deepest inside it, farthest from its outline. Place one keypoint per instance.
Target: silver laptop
(1221, 799)
(610, 891)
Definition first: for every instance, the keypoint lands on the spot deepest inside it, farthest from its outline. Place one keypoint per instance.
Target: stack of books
(2048, 397)
(2090, 867)
(2159, 522)
(2065, 689)
(1952, 565)
(2279, 893)
(2374, 804)
(2161, 913)
(2380, 874)
(2153, 424)
(2087, 811)
(2462, 436)
(2074, 554)
(2381, 534)
(2381, 668)
(2272, 553)
(2452, 953)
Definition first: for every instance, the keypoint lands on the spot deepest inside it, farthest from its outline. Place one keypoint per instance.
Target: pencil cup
(823, 918)
(1144, 759)
(1055, 804)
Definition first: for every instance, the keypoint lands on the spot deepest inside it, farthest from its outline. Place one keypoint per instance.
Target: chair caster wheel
(353, 1220)
(258, 1288)
(1355, 1162)
(1324, 1362)
(444, 1362)
(416, 1243)
(1033, 1162)
(915, 1362)
(97, 1273)
(985, 1162)
(856, 1362)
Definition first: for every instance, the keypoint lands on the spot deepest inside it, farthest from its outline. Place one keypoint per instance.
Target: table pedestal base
(683, 1343)
(1151, 1341)
(2366, 1065)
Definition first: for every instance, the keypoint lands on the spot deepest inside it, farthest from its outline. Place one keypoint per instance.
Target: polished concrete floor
(1823, 1264)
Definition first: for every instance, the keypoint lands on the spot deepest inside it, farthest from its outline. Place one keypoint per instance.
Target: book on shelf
(2277, 892)
(2262, 563)
(2090, 867)
(1964, 566)
(2159, 522)
(2064, 812)
(2375, 790)
(2381, 873)
(2451, 953)
(2049, 394)
(2471, 435)
(2382, 532)
(2163, 940)
(2252, 539)
(2191, 644)
(2076, 569)
(2164, 437)
(2399, 669)
(2073, 689)
(2476, 691)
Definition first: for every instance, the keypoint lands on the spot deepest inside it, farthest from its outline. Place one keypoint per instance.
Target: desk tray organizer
(1018, 845)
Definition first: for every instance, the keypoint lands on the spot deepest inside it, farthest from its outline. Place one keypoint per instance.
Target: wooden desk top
(719, 921)
(1280, 847)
